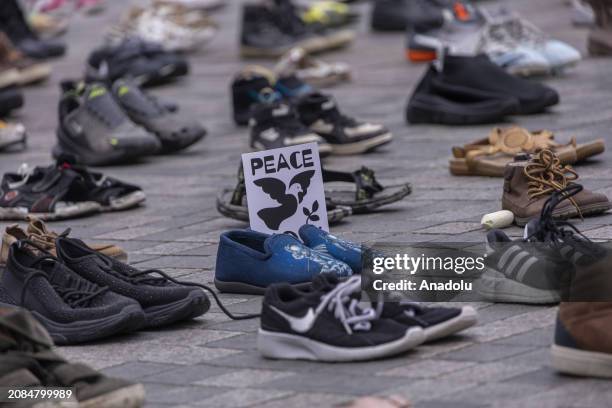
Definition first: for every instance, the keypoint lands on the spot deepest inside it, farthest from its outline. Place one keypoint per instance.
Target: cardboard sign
(285, 188)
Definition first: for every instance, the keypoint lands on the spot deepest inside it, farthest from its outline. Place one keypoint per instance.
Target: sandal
(232, 203)
(488, 157)
(368, 194)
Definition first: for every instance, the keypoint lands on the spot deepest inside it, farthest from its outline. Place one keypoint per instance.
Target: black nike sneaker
(272, 29)
(174, 130)
(94, 129)
(50, 193)
(276, 124)
(344, 134)
(328, 326)
(14, 24)
(146, 63)
(72, 309)
(163, 301)
(436, 322)
(10, 99)
(252, 85)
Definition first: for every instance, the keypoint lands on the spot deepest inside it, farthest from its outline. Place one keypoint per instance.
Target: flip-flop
(488, 157)
(366, 194)
(232, 203)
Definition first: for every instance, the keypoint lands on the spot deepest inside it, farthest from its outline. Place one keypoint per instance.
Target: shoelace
(75, 292)
(346, 307)
(144, 277)
(546, 175)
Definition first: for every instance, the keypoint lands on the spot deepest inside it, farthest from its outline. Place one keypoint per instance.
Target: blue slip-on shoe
(330, 245)
(249, 261)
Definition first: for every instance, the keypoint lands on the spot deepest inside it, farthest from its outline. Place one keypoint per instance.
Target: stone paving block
(307, 400)
(244, 342)
(428, 368)
(168, 248)
(242, 398)
(181, 375)
(514, 325)
(536, 337)
(450, 228)
(244, 378)
(447, 404)
(485, 352)
(137, 369)
(176, 395)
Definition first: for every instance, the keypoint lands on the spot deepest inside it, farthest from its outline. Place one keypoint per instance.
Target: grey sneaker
(174, 130)
(93, 128)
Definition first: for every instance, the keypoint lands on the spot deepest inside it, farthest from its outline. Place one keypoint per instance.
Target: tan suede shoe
(529, 182)
(39, 233)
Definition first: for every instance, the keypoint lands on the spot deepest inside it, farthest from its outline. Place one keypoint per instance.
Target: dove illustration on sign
(289, 197)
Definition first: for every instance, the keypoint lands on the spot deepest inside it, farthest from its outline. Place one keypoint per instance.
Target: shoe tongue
(130, 94)
(98, 97)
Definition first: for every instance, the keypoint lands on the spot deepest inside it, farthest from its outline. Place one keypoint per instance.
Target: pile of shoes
(346, 193)
(507, 39)
(101, 125)
(63, 190)
(272, 27)
(27, 359)
(81, 293)
(285, 111)
(173, 26)
(458, 90)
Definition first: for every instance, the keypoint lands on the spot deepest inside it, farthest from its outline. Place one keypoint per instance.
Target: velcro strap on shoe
(364, 179)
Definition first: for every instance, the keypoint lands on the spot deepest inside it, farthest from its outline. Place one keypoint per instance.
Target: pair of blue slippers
(249, 261)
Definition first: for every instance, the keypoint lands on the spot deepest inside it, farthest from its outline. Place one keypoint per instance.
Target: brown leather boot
(600, 37)
(529, 182)
(583, 339)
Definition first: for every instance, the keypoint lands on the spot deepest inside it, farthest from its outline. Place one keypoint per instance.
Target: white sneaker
(174, 27)
(310, 70)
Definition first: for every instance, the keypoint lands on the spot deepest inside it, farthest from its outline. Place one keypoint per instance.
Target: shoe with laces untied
(28, 359)
(71, 308)
(163, 299)
(530, 180)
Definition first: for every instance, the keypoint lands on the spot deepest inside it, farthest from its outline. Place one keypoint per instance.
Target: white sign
(285, 188)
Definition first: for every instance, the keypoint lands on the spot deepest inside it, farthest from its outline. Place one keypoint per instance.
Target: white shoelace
(346, 308)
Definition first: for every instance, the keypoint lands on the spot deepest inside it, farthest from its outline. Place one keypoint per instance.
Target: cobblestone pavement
(213, 362)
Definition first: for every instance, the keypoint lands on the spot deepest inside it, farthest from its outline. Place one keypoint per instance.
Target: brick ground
(213, 362)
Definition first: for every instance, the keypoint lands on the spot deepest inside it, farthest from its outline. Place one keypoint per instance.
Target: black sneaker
(436, 322)
(328, 326)
(110, 193)
(270, 30)
(400, 15)
(432, 104)
(344, 134)
(14, 24)
(163, 301)
(146, 63)
(10, 99)
(50, 193)
(72, 309)
(29, 360)
(94, 129)
(276, 124)
(291, 88)
(174, 130)
(252, 85)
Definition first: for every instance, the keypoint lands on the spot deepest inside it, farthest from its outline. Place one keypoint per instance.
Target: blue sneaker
(330, 245)
(249, 261)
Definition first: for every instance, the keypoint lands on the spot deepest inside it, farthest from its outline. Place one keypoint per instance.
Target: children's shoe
(249, 261)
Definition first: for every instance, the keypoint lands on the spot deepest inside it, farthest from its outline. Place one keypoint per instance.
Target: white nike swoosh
(298, 324)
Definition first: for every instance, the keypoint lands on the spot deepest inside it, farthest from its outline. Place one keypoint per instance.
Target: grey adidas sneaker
(94, 129)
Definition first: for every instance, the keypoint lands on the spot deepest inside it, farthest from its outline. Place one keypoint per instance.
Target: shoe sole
(418, 112)
(467, 318)
(496, 287)
(34, 74)
(276, 345)
(72, 211)
(586, 210)
(194, 305)
(580, 362)
(125, 202)
(369, 205)
(126, 397)
(363, 146)
(128, 319)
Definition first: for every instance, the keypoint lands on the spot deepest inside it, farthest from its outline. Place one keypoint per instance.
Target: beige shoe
(310, 70)
(48, 26)
(38, 232)
(27, 70)
(600, 37)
